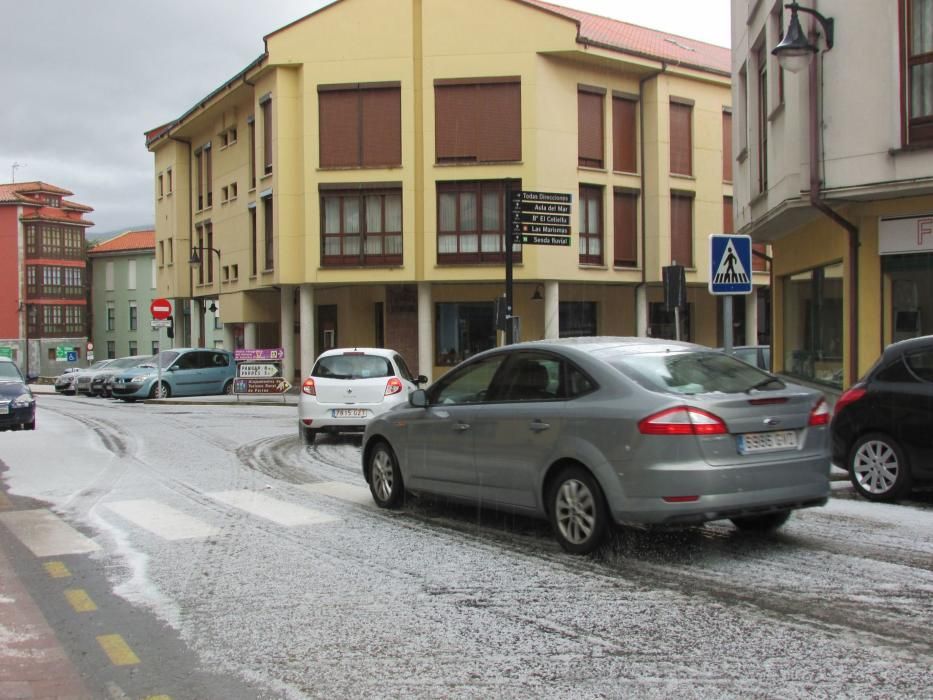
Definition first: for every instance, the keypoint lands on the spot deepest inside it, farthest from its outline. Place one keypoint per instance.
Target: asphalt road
(235, 562)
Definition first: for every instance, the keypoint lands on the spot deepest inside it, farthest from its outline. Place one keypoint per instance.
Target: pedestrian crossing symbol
(730, 264)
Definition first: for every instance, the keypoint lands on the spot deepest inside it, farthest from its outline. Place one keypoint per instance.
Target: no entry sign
(160, 309)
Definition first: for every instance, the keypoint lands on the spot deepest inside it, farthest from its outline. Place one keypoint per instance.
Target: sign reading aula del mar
(905, 234)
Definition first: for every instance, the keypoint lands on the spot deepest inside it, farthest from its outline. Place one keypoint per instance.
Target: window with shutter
(590, 129)
(624, 135)
(681, 116)
(478, 121)
(625, 229)
(682, 229)
(360, 126)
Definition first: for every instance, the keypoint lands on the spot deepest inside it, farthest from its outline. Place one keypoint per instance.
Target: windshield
(10, 372)
(352, 366)
(130, 362)
(165, 358)
(694, 373)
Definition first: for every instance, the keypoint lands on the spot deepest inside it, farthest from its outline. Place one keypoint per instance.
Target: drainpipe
(816, 199)
(644, 225)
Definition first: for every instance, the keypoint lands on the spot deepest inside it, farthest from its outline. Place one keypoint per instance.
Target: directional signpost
(250, 369)
(261, 385)
(259, 371)
(258, 354)
(730, 273)
(541, 218)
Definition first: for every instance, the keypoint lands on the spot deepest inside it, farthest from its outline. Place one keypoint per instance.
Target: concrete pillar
(551, 310)
(306, 331)
(425, 331)
(229, 342)
(197, 323)
(250, 336)
(287, 306)
(641, 310)
(751, 317)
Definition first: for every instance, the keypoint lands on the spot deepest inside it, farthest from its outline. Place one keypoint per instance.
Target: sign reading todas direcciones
(541, 218)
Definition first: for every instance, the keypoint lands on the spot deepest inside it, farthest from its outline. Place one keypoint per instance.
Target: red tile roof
(621, 36)
(24, 193)
(128, 240)
(44, 213)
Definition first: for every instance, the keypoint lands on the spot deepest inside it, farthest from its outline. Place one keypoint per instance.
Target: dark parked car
(17, 404)
(882, 427)
(593, 431)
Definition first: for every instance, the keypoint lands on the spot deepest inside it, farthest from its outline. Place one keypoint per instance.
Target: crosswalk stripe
(45, 534)
(162, 520)
(345, 492)
(278, 511)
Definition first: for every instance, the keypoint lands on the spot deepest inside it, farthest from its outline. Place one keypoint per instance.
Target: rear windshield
(692, 372)
(352, 367)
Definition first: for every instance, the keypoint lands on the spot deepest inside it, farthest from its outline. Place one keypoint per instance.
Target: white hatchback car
(348, 387)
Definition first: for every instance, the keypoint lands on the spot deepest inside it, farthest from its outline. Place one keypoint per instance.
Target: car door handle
(460, 427)
(538, 426)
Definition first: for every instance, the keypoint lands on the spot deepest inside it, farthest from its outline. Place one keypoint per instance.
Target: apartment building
(834, 169)
(43, 312)
(350, 185)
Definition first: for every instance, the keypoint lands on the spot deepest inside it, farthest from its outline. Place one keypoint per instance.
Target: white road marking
(345, 492)
(45, 534)
(278, 511)
(162, 520)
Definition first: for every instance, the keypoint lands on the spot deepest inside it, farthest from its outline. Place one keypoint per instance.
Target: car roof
(908, 345)
(628, 345)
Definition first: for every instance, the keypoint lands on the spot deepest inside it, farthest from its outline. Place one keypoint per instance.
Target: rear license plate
(350, 412)
(768, 442)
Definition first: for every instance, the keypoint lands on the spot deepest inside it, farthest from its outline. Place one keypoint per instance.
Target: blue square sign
(730, 264)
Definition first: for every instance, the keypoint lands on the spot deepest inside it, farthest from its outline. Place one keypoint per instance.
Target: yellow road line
(57, 569)
(159, 697)
(80, 600)
(5, 502)
(117, 650)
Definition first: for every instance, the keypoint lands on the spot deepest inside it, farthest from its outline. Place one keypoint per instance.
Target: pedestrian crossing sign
(730, 264)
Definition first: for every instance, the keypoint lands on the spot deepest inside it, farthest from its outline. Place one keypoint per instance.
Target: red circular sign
(160, 309)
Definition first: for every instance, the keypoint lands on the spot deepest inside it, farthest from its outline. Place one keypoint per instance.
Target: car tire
(385, 477)
(766, 522)
(308, 435)
(31, 425)
(878, 468)
(577, 510)
(156, 393)
(228, 388)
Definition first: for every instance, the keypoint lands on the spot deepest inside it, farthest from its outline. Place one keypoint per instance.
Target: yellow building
(350, 186)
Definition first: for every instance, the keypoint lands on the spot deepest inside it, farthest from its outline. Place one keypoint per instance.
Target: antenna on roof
(13, 169)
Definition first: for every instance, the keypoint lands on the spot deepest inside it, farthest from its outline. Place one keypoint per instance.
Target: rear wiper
(763, 383)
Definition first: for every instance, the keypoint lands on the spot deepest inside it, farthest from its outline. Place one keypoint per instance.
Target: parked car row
(184, 372)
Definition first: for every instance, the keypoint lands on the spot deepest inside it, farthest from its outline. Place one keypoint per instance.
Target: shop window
(662, 323)
(577, 318)
(463, 329)
(813, 325)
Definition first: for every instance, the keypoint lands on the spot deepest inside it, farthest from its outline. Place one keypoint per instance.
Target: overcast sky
(85, 79)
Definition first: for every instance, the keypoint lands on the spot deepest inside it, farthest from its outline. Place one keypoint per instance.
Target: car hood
(10, 390)
(130, 372)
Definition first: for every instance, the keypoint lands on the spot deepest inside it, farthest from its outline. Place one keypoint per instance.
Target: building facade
(834, 169)
(350, 186)
(123, 285)
(43, 285)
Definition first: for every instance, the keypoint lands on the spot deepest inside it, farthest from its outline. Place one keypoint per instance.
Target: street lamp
(195, 263)
(795, 50)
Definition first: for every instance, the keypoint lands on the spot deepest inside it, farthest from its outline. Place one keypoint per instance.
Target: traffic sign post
(160, 309)
(730, 273)
(259, 371)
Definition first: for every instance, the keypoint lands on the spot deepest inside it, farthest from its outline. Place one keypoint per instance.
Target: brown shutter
(381, 125)
(624, 131)
(682, 230)
(338, 132)
(455, 134)
(267, 136)
(625, 223)
(498, 114)
(727, 146)
(759, 264)
(681, 139)
(478, 122)
(590, 129)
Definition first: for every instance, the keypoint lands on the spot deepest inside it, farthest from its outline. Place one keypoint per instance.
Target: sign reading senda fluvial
(905, 234)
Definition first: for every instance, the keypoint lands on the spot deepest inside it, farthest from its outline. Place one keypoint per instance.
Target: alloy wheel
(575, 511)
(383, 476)
(876, 466)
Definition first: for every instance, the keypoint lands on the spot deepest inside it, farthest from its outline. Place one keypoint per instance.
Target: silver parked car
(593, 431)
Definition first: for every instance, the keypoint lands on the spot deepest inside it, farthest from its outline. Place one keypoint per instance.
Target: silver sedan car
(588, 432)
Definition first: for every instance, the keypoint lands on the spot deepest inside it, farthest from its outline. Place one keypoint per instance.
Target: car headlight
(23, 401)
(139, 379)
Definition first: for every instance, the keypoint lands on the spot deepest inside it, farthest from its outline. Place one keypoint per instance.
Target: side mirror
(421, 379)
(418, 399)
(171, 368)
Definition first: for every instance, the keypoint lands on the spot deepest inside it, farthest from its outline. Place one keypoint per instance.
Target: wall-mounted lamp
(795, 50)
(538, 295)
(212, 308)
(195, 260)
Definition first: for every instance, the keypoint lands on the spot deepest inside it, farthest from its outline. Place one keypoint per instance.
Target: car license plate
(350, 412)
(768, 442)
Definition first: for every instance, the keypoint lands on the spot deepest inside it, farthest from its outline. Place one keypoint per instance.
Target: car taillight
(820, 414)
(683, 420)
(308, 387)
(850, 396)
(393, 386)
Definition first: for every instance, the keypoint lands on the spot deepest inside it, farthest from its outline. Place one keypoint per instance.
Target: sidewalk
(33, 664)
(289, 398)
